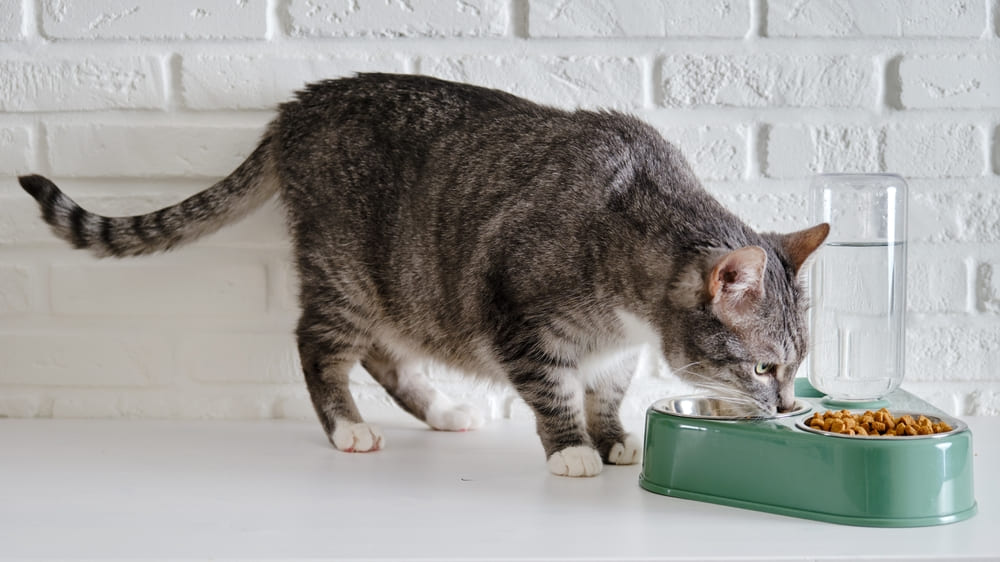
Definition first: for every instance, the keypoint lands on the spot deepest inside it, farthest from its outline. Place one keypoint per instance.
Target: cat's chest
(619, 348)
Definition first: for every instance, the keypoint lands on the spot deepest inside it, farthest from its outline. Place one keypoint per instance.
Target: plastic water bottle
(858, 286)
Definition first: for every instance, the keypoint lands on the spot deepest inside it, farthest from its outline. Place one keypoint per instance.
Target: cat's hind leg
(409, 386)
(329, 347)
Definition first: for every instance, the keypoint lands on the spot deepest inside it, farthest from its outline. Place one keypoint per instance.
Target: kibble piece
(942, 427)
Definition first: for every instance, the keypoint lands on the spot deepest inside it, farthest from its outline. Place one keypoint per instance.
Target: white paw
(627, 452)
(576, 461)
(357, 437)
(461, 417)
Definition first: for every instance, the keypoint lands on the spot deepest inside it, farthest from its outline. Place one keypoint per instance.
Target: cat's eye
(762, 368)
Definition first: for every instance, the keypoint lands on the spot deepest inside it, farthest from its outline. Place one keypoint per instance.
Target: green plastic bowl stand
(774, 466)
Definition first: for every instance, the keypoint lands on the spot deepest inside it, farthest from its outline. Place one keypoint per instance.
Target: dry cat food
(880, 423)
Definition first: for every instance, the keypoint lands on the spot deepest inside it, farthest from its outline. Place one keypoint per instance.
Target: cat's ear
(736, 283)
(800, 245)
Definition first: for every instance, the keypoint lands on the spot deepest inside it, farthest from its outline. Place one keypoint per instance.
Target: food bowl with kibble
(906, 464)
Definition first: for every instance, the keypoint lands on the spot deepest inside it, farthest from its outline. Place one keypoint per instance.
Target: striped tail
(229, 200)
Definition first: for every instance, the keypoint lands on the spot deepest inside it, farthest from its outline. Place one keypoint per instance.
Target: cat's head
(741, 328)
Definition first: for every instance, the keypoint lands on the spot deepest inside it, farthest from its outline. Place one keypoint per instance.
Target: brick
(935, 283)
(766, 80)
(15, 151)
(264, 228)
(996, 148)
(620, 18)
(972, 216)
(196, 403)
(16, 284)
(284, 286)
(940, 150)
(988, 286)
(770, 211)
(96, 150)
(952, 353)
(187, 404)
(984, 402)
(84, 360)
(716, 152)
(949, 81)
(87, 405)
(940, 395)
(257, 82)
(154, 19)
(239, 358)
(404, 18)
(959, 398)
(10, 19)
(297, 407)
(53, 84)
(796, 151)
(561, 81)
(19, 406)
(20, 220)
(876, 18)
(130, 289)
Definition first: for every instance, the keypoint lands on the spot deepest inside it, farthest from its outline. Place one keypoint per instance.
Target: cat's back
(400, 102)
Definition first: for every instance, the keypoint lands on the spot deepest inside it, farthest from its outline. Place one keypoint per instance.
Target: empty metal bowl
(719, 408)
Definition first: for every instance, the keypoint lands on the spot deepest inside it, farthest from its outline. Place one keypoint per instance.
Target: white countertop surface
(89, 489)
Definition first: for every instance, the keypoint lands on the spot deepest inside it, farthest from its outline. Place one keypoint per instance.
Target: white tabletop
(74, 489)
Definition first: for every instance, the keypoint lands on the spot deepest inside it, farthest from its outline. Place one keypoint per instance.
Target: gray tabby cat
(442, 221)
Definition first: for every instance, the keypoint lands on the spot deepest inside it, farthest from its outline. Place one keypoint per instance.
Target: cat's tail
(229, 200)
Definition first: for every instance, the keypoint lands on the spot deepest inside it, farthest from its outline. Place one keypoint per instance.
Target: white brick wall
(882, 18)
(620, 18)
(408, 18)
(131, 105)
(767, 80)
(86, 83)
(139, 150)
(564, 81)
(10, 19)
(154, 19)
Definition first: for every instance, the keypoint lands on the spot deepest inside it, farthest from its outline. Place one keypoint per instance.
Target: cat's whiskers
(719, 389)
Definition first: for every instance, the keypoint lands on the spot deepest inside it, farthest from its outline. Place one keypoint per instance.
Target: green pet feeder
(707, 449)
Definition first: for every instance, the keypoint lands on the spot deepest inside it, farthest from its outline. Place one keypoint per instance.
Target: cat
(514, 241)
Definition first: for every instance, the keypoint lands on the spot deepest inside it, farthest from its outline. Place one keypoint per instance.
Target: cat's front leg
(603, 402)
(557, 399)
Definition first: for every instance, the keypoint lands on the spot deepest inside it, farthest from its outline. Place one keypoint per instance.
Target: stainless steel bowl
(718, 408)
(956, 426)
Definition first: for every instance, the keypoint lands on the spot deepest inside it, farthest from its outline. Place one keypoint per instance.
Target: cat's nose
(785, 407)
